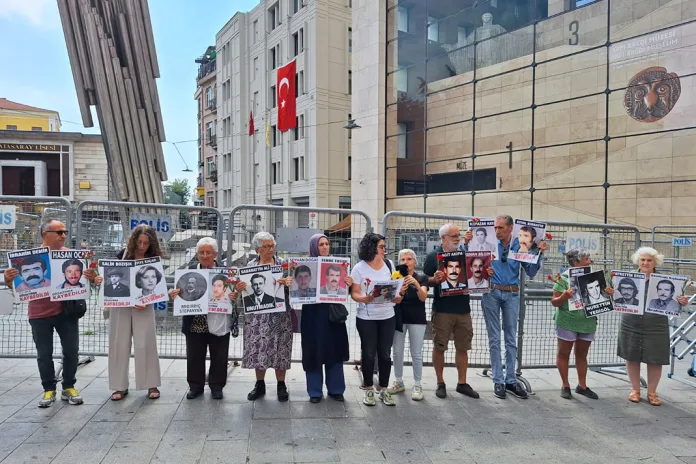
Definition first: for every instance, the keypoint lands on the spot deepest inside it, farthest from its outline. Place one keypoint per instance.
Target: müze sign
(28, 147)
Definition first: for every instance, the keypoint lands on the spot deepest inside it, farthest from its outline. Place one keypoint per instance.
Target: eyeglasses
(59, 232)
(382, 247)
(267, 247)
(455, 237)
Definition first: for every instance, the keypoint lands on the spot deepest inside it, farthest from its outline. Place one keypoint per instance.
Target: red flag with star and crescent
(286, 97)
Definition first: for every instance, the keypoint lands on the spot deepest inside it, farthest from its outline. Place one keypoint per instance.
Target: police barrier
(292, 228)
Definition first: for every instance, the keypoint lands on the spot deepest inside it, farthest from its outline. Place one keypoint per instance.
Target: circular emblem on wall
(651, 94)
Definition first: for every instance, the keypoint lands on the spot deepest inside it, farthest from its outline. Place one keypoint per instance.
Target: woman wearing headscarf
(324, 343)
(206, 332)
(267, 337)
(135, 325)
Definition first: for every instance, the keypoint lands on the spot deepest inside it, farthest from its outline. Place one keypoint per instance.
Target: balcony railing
(212, 140)
(205, 69)
(211, 104)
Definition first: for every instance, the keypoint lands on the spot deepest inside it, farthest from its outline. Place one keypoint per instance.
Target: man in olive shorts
(451, 316)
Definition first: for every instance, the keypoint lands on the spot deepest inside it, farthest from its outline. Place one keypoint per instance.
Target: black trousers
(197, 345)
(376, 337)
(69, 332)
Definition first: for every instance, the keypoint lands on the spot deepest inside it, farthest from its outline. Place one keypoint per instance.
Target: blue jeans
(509, 303)
(335, 381)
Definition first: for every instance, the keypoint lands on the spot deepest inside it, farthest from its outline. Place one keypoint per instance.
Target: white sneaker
(396, 387)
(386, 398)
(417, 394)
(369, 398)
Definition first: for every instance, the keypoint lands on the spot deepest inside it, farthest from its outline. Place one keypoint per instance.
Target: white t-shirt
(375, 312)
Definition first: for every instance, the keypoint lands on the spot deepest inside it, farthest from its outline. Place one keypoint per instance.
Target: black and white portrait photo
(192, 285)
(629, 291)
(576, 303)
(192, 298)
(594, 296)
(663, 291)
(484, 237)
(149, 282)
(259, 294)
(115, 282)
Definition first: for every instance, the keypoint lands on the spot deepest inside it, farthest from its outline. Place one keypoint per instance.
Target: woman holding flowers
(375, 322)
(324, 342)
(645, 338)
(573, 329)
(206, 332)
(268, 337)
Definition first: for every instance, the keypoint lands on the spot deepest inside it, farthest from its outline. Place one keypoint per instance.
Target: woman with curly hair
(645, 338)
(136, 325)
(375, 322)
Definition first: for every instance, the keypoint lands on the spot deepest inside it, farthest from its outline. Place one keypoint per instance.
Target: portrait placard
(663, 291)
(259, 295)
(576, 303)
(453, 265)
(332, 279)
(384, 291)
(629, 288)
(484, 239)
(221, 284)
(594, 296)
(34, 279)
(303, 288)
(69, 282)
(193, 292)
(115, 291)
(528, 234)
(477, 264)
(147, 281)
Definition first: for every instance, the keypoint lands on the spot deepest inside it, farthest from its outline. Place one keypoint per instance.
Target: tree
(177, 192)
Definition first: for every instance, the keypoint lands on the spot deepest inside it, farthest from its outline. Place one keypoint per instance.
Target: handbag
(74, 308)
(338, 314)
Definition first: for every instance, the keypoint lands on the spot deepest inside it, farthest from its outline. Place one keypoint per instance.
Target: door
(18, 180)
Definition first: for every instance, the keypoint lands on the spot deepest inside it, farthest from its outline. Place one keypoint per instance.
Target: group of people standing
(382, 326)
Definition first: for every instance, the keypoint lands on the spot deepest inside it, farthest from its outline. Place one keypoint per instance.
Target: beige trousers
(138, 326)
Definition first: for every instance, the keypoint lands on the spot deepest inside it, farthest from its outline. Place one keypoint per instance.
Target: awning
(343, 226)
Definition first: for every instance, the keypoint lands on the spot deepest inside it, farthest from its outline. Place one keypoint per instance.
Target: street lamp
(351, 125)
(182, 158)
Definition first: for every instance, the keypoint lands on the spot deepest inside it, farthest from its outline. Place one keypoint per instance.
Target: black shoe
(258, 391)
(283, 394)
(566, 394)
(338, 397)
(216, 394)
(499, 390)
(441, 391)
(312, 399)
(586, 392)
(465, 389)
(193, 394)
(516, 390)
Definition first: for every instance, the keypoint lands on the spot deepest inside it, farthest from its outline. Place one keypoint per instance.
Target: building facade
(206, 99)
(16, 116)
(310, 165)
(574, 110)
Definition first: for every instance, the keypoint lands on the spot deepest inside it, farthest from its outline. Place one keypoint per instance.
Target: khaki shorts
(457, 325)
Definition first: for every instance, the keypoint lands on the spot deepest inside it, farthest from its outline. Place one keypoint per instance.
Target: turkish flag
(286, 97)
(251, 124)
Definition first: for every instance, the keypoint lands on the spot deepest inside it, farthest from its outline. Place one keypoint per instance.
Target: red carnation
(548, 236)
(93, 265)
(549, 277)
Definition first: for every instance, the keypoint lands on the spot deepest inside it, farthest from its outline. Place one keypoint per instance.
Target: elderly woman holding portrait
(645, 339)
(573, 329)
(267, 337)
(324, 342)
(136, 325)
(210, 332)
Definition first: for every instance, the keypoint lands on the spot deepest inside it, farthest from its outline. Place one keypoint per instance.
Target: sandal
(634, 396)
(153, 393)
(119, 395)
(653, 399)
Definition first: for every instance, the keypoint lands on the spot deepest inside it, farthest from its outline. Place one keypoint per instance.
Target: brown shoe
(653, 399)
(634, 396)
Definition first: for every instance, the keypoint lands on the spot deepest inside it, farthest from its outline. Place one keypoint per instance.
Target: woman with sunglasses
(375, 322)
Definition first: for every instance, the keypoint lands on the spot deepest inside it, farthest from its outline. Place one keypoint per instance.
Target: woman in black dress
(324, 343)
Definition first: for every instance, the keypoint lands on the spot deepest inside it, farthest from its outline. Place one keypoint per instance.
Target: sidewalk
(543, 429)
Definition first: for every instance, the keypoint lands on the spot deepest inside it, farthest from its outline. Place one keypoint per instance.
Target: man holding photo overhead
(45, 316)
(505, 298)
(451, 314)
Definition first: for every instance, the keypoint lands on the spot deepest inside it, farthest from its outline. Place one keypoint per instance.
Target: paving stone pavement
(543, 429)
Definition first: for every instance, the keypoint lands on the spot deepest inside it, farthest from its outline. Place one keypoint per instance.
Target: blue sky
(36, 70)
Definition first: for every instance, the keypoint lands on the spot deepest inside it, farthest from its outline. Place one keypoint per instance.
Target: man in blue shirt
(505, 297)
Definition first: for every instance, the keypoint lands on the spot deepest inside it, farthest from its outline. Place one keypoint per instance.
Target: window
(295, 5)
(210, 199)
(274, 96)
(36, 129)
(296, 43)
(209, 97)
(350, 39)
(401, 80)
(229, 89)
(299, 127)
(273, 17)
(402, 139)
(299, 168)
(299, 83)
(256, 66)
(343, 203)
(433, 29)
(255, 29)
(402, 19)
(276, 173)
(256, 102)
(350, 167)
(301, 40)
(209, 131)
(9, 127)
(273, 58)
(350, 82)
(274, 136)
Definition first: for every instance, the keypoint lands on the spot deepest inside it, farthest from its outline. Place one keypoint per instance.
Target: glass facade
(560, 109)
